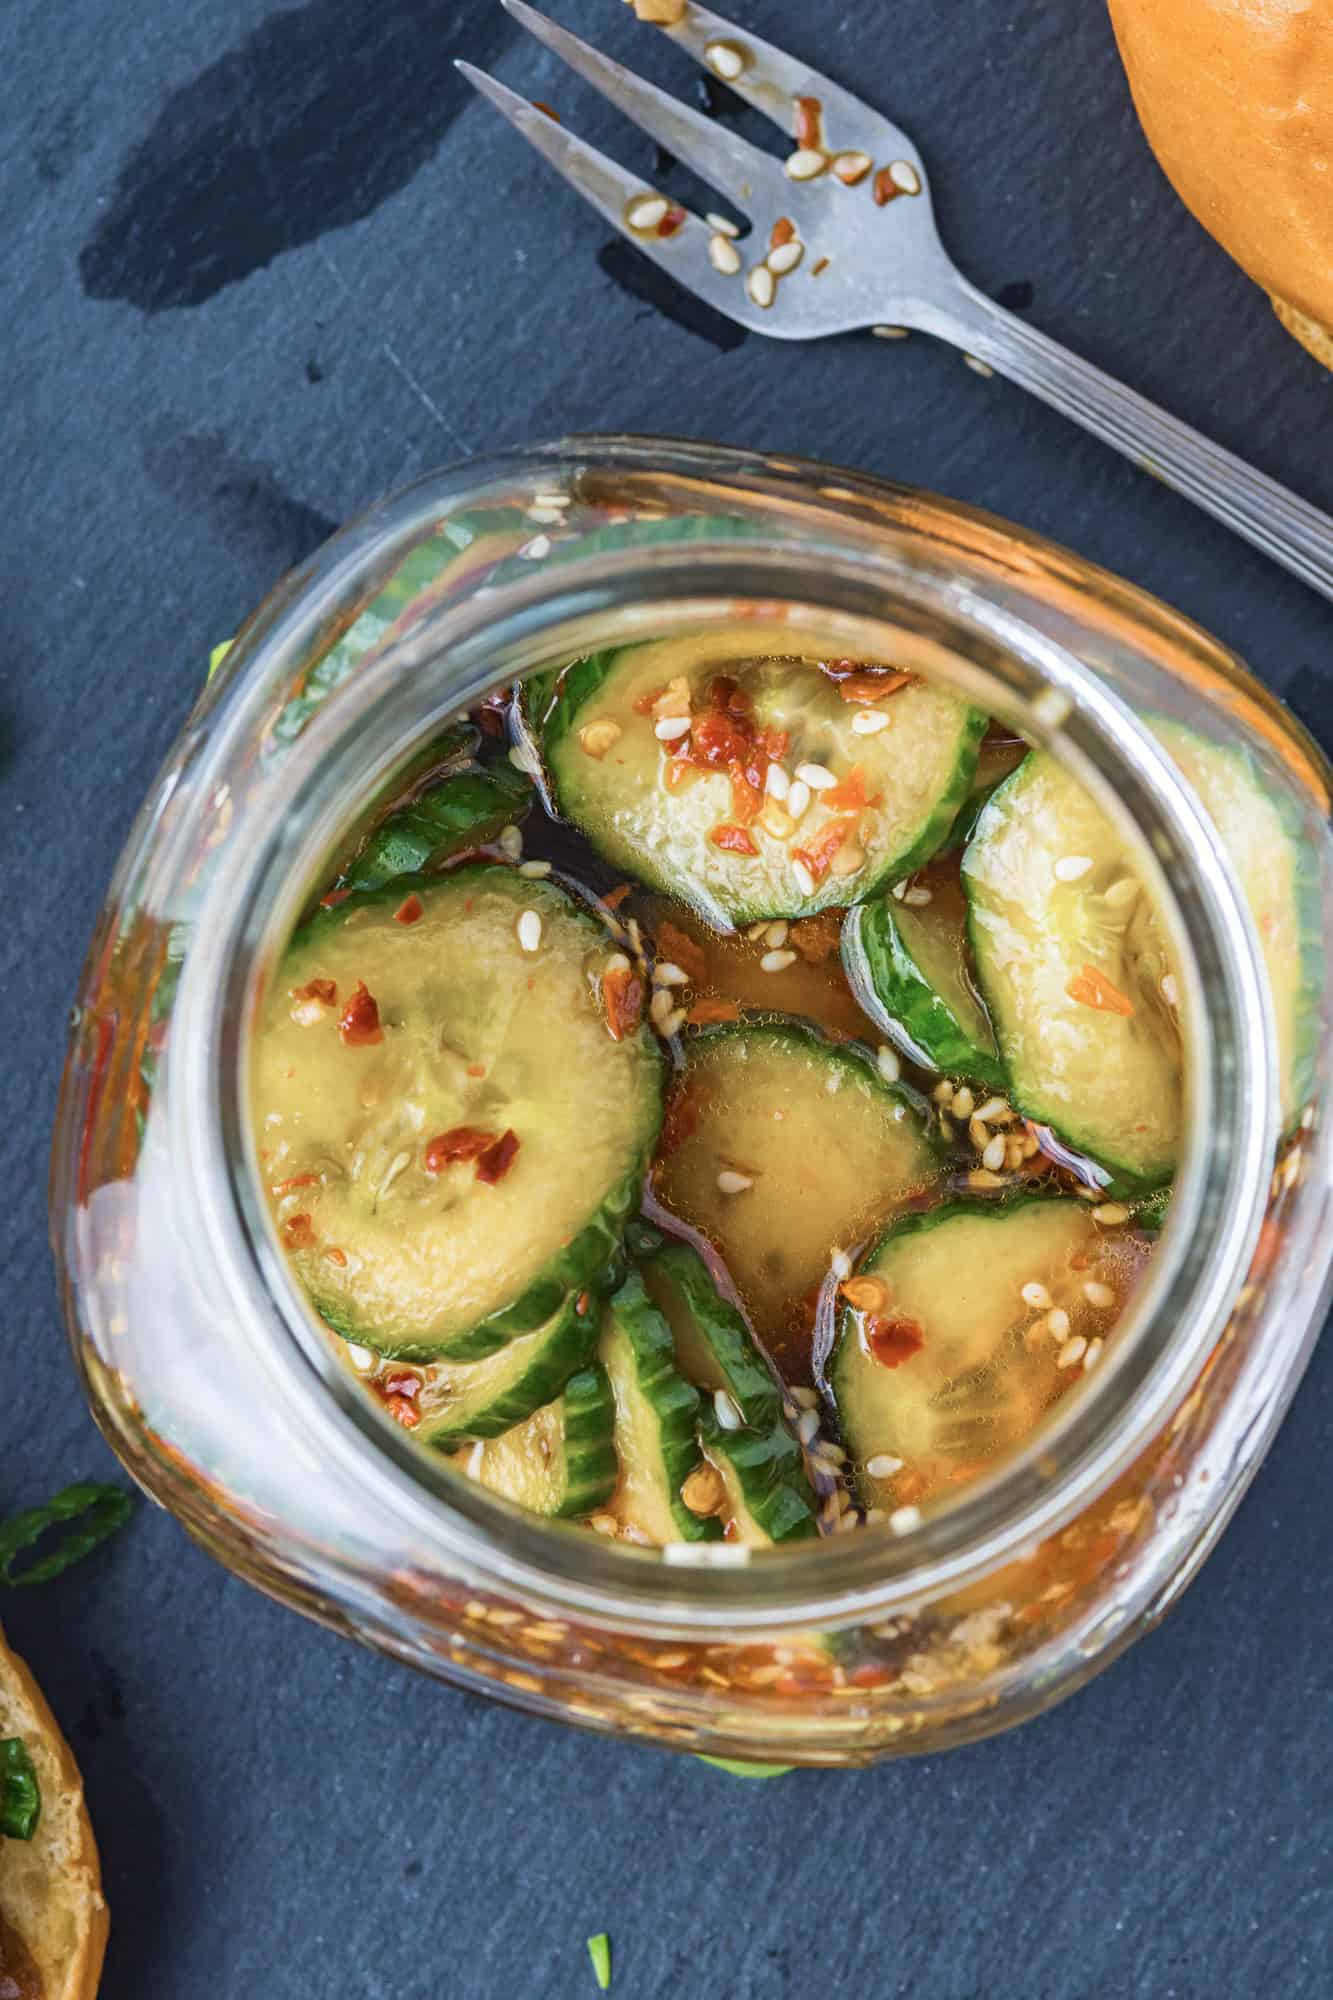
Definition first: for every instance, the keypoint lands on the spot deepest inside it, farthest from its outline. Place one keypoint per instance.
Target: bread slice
(1308, 331)
(50, 1886)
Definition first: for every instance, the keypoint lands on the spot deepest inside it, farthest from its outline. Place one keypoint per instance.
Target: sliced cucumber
(562, 1461)
(608, 771)
(985, 1370)
(909, 967)
(823, 1148)
(463, 810)
(484, 1399)
(1072, 974)
(477, 1034)
(769, 1497)
(996, 759)
(714, 1346)
(657, 1412)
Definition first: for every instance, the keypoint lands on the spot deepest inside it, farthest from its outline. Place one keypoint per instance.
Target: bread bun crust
(1236, 97)
(67, 1952)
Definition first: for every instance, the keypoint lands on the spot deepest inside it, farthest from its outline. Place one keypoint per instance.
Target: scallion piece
(98, 1512)
(20, 1794)
(599, 1951)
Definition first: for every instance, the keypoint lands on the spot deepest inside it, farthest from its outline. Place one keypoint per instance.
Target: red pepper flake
(646, 703)
(539, 104)
(706, 1013)
(336, 1256)
(716, 741)
(809, 122)
(410, 910)
(476, 1069)
(496, 1161)
(678, 772)
(870, 1677)
(884, 189)
(747, 798)
(733, 840)
(334, 897)
(295, 1181)
(360, 1024)
(298, 1232)
(324, 990)
(816, 938)
(403, 1383)
(818, 856)
(850, 794)
(615, 897)
(1091, 988)
(622, 997)
(893, 1340)
(403, 1411)
(680, 949)
(681, 1122)
(463, 1142)
(818, 269)
(783, 231)
(671, 221)
(581, 1304)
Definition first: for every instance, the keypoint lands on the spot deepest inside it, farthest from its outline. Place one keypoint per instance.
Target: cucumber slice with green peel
(1071, 959)
(951, 1368)
(780, 1146)
(410, 1235)
(657, 1413)
(997, 758)
(700, 840)
(483, 1399)
(464, 810)
(562, 1461)
(909, 968)
(714, 1346)
(769, 1497)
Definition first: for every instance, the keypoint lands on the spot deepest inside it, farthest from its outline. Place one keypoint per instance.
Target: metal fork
(844, 237)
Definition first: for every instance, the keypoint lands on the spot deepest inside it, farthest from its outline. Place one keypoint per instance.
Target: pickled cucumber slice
(779, 1145)
(562, 1461)
(910, 969)
(483, 1399)
(464, 810)
(952, 1367)
(657, 1412)
(769, 1497)
(486, 990)
(700, 840)
(1071, 960)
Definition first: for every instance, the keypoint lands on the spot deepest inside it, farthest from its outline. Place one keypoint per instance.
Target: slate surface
(259, 267)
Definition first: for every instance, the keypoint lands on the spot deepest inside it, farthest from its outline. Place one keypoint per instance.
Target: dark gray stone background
(257, 268)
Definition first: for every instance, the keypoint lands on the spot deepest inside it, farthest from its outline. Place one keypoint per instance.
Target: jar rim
(838, 581)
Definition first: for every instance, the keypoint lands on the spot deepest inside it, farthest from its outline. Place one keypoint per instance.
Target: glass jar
(203, 1364)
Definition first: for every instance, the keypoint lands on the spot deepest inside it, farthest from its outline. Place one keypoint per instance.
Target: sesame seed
(807, 1398)
(602, 1524)
(817, 776)
(727, 1414)
(786, 257)
(545, 517)
(805, 881)
(660, 1006)
(647, 211)
(943, 1093)
(841, 1265)
(674, 1022)
(905, 176)
(671, 727)
(535, 871)
(883, 1465)
(962, 1102)
(1057, 1322)
(361, 1358)
(730, 1182)
(1121, 892)
(898, 890)
(1098, 1295)
(805, 164)
(722, 225)
(1072, 867)
(777, 961)
(724, 256)
(724, 59)
(979, 367)
(847, 1522)
(982, 1177)
(851, 167)
(834, 1453)
(761, 285)
(903, 1519)
(522, 760)
(1035, 1294)
(891, 332)
(776, 782)
(869, 721)
(529, 930)
(757, 931)
(777, 932)
(798, 798)
(917, 897)
(1072, 1351)
(667, 974)
(551, 499)
(887, 1063)
(538, 548)
(993, 1108)
(1093, 1355)
(1111, 1213)
(1170, 991)
(993, 1155)
(807, 1430)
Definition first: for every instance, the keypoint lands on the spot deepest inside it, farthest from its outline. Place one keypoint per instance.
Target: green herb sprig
(20, 1795)
(89, 1512)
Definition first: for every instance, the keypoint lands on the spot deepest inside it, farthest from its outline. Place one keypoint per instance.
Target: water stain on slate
(307, 125)
(634, 273)
(242, 498)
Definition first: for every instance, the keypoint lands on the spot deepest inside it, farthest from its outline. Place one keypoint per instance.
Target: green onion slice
(97, 1510)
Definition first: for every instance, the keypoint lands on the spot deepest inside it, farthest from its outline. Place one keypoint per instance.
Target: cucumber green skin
(723, 1331)
(590, 1453)
(591, 1261)
(676, 1404)
(813, 1041)
(970, 812)
(770, 1471)
(563, 695)
(464, 810)
(496, 1398)
(882, 971)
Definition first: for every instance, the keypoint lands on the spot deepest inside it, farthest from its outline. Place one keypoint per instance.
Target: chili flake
(809, 121)
(783, 231)
(677, 946)
(893, 1340)
(849, 795)
(706, 1013)
(819, 853)
(360, 1024)
(463, 1142)
(334, 897)
(733, 840)
(1091, 988)
(295, 1181)
(622, 997)
(298, 1232)
(671, 221)
(884, 188)
(409, 911)
(496, 1161)
(816, 938)
(323, 990)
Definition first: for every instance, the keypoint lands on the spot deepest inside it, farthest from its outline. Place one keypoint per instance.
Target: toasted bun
(51, 1885)
(1236, 97)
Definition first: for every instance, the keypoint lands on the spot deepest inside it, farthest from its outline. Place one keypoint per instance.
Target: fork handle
(1285, 527)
